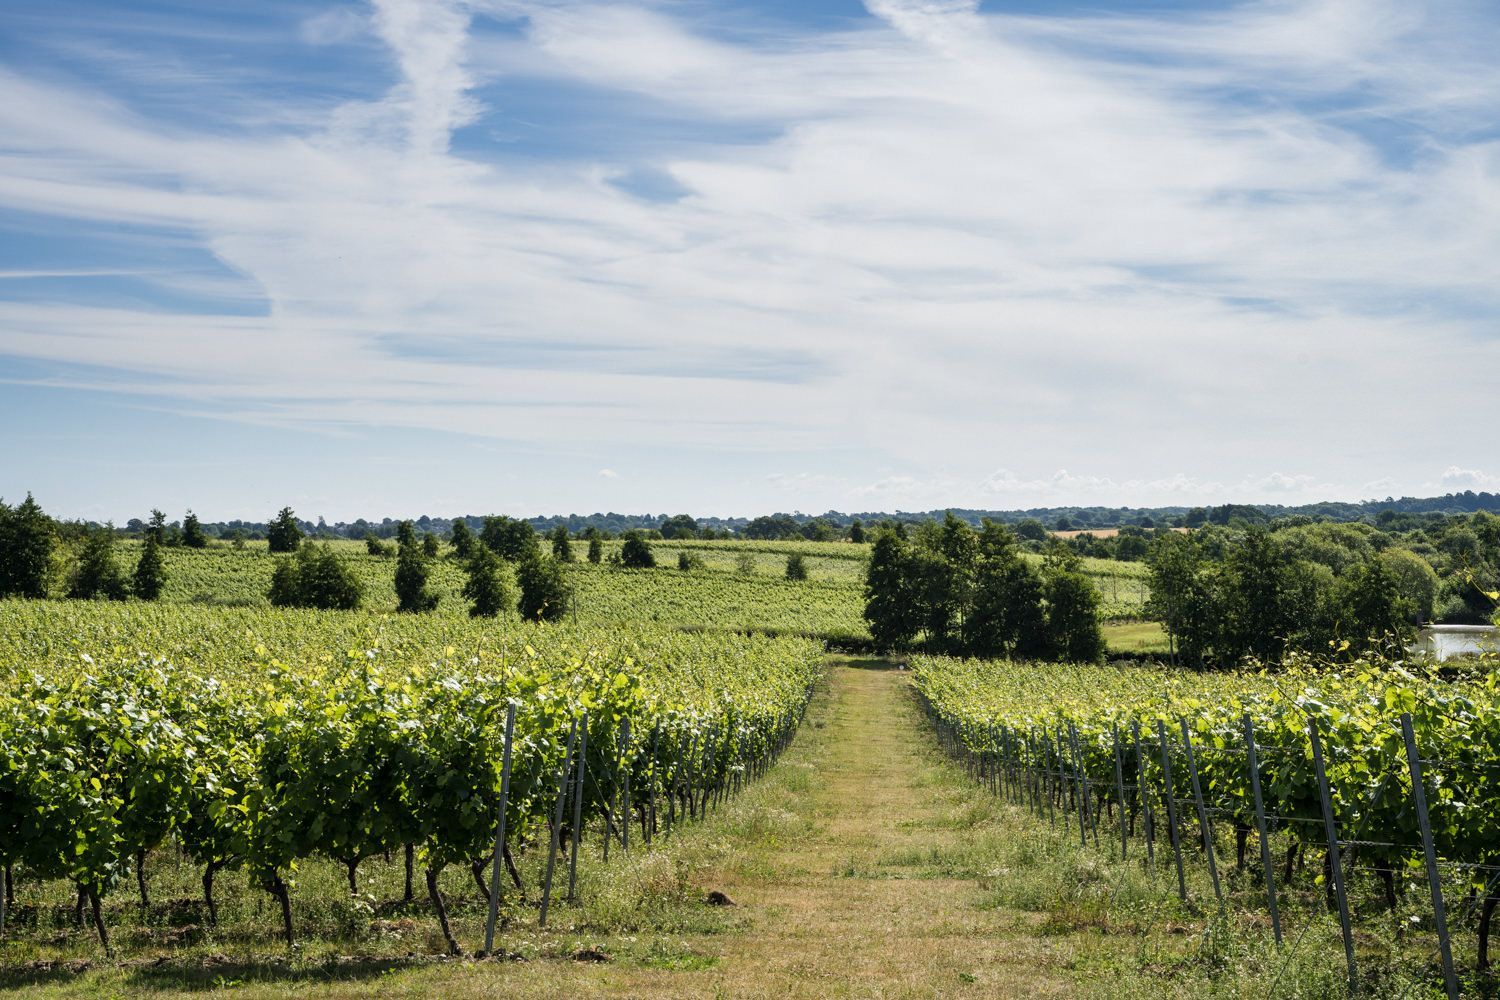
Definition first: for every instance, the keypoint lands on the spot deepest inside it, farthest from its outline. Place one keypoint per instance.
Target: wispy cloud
(939, 241)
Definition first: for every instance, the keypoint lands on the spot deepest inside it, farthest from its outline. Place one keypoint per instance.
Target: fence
(1171, 783)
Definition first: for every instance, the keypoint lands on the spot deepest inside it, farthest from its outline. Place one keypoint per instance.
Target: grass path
(852, 874)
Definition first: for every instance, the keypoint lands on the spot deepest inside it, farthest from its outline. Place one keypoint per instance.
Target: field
(722, 595)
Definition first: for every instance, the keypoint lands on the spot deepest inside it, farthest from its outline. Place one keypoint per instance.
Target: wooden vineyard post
(1260, 825)
(1119, 788)
(651, 793)
(1203, 824)
(1148, 820)
(580, 774)
(1439, 911)
(494, 914)
(1174, 833)
(1080, 784)
(557, 819)
(1335, 862)
(625, 787)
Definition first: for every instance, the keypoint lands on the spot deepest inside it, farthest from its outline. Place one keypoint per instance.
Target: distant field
(1101, 532)
(1136, 637)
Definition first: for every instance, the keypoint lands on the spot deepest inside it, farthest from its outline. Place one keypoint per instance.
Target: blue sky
(435, 256)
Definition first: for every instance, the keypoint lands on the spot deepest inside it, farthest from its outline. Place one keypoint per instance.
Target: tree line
(955, 590)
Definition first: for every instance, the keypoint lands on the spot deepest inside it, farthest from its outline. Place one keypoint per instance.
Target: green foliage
(461, 538)
(97, 574)
(1032, 530)
(596, 550)
(508, 538)
(284, 534)
(636, 551)
(679, 526)
(562, 547)
(314, 578)
(856, 532)
(26, 545)
(1072, 615)
(430, 546)
(1006, 618)
(689, 561)
(796, 567)
(156, 528)
(375, 547)
(744, 564)
(486, 589)
(888, 609)
(150, 571)
(545, 593)
(192, 532)
(412, 593)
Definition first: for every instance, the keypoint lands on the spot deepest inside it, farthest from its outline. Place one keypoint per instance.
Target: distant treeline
(833, 525)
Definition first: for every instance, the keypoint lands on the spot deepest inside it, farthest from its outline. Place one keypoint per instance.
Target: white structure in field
(1444, 641)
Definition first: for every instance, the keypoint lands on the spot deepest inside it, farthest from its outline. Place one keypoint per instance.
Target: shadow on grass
(870, 662)
(166, 974)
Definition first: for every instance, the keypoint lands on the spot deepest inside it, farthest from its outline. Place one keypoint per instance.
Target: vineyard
(1385, 774)
(278, 744)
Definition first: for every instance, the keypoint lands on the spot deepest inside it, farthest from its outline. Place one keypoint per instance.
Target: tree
(374, 546)
(97, 573)
(1005, 617)
(766, 528)
(157, 527)
(679, 526)
(562, 548)
(545, 593)
(412, 595)
(508, 538)
(406, 533)
(430, 546)
(315, 578)
(486, 589)
(1375, 615)
(887, 609)
(689, 561)
(26, 541)
(1032, 530)
(636, 551)
(1184, 597)
(192, 532)
(796, 567)
(283, 534)
(596, 548)
(820, 529)
(856, 532)
(1073, 617)
(461, 538)
(150, 572)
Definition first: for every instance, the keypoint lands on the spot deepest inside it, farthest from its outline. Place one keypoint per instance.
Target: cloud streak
(939, 242)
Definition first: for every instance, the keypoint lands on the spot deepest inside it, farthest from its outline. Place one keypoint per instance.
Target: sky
(731, 257)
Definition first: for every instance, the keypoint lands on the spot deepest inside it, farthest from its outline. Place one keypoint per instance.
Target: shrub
(636, 552)
(412, 595)
(596, 549)
(689, 561)
(744, 564)
(545, 593)
(97, 574)
(430, 547)
(150, 571)
(26, 542)
(796, 567)
(461, 538)
(375, 547)
(315, 578)
(562, 549)
(486, 589)
(283, 534)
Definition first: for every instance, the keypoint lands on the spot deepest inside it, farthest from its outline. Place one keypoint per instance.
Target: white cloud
(955, 238)
(1455, 479)
(608, 474)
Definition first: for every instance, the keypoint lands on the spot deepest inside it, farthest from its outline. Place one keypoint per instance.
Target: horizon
(522, 255)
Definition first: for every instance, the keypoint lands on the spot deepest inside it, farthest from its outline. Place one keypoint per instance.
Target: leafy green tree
(545, 594)
(1415, 580)
(192, 532)
(856, 532)
(689, 561)
(284, 534)
(562, 548)
(1031, 530)
(97, 574)
(374, 546)
(508, 538)
(636, 551)
(1005, 618)
(157, 527)
(796, 567)
(1073, 617)
(486, 588)
(744, 564)
(888, 609)
(1375, 615)
(820, 529)
(430, 547)
(26, 542)
(406, 533)
(461, 538)
(1265, 598)
(150, 571)
(596, 549)
(1184, 596)
(412, 593)
(315, 577)
(679, 526)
